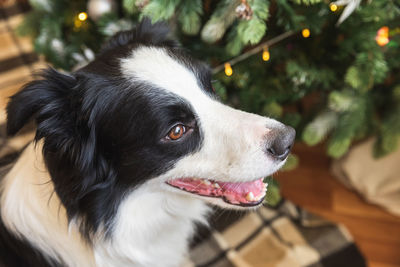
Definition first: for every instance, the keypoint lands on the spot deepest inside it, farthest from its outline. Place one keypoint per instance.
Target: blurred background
(330, 69)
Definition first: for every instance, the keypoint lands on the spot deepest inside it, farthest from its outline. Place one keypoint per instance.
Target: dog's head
(145, 112)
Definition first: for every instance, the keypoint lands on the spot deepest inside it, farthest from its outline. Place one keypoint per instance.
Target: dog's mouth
(245, 194)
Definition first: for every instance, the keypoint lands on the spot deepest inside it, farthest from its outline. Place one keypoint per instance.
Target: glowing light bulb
(333, 7)
(306, 33)
(382, 36)
(266, 55)
(228, 69)
(82, 16)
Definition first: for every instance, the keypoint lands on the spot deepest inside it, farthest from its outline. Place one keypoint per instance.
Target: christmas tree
(329, 69)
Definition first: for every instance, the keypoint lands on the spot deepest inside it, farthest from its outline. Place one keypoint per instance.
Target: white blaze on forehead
(154, 66)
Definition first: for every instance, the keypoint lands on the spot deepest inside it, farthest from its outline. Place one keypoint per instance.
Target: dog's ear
(144, 33)
(39, 99)
(66, 117)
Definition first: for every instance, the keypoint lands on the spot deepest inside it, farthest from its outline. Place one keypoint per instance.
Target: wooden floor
(311, 186)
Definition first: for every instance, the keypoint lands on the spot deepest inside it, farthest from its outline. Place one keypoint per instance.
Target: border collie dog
(129, 151)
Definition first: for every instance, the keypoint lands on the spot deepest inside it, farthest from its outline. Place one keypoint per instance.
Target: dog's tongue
(234, 193)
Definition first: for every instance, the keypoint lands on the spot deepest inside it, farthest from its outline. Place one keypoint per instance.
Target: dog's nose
(282, 142)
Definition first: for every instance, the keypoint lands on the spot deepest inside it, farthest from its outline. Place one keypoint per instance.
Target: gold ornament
(244, 11)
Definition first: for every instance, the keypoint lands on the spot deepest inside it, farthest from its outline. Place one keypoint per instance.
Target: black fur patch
(104, 135)
(16, 252)
(145, 33)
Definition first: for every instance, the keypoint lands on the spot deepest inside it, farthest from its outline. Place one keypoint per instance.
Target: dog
(130, 152)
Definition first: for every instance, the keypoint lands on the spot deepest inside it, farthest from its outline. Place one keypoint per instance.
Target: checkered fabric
(283, 236)
(17, 59)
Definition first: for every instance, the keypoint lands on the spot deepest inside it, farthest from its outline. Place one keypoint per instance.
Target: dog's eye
(177, 132)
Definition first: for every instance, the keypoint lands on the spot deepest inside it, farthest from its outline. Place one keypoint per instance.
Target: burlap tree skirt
(377, 180)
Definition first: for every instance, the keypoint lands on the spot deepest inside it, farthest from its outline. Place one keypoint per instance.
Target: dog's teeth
(265, 188)
(216, 185)
(250, 196)
(206, 182)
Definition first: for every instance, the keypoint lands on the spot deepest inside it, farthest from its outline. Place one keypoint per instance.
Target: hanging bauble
(97, 8)
(244, 11)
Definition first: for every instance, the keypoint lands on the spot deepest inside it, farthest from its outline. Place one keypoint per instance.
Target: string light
(228, 69)
(306, 33)
(260, 47)
(382, 36)
(82, 16)
(78, 21)
(266, 55)
(333, 7)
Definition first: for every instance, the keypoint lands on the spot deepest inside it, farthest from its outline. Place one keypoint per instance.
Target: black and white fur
(91, 190)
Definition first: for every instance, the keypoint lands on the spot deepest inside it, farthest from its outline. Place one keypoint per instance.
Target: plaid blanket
(269, 237)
